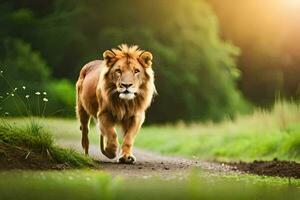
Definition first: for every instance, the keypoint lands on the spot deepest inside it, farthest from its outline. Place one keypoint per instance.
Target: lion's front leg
(131, 129)
(108, 131)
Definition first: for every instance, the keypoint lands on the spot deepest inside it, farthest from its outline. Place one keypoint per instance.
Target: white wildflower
(6, 113)
(7, 93)
(12, 94)
(45, 99)
(38, 93)
(45, 93)
(24, 88)
(15, 89)
(27, 96)
(1, 97)
(1, 72)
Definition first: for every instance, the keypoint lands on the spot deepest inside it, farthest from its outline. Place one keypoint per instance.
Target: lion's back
(87, 84)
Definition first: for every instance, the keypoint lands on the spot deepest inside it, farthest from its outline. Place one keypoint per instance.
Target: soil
(12, 157)
(269, 168)
(153, 164)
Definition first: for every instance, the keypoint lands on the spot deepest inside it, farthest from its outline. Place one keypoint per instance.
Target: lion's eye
(136, 71)
(118, 71)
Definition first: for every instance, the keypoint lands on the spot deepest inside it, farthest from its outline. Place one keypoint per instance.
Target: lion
(115, 91)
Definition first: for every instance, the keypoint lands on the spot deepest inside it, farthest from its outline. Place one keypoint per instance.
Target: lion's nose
(126, 85)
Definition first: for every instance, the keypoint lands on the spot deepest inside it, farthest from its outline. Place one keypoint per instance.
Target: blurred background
(213, 59)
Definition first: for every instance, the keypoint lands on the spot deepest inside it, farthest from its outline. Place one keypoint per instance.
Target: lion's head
(129, 72)
(127, 81)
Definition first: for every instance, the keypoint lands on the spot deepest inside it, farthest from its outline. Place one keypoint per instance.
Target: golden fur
(117, 90)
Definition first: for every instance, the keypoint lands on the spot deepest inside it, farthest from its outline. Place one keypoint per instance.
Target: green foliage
(22, 64)
(21, 67)
(62, 97)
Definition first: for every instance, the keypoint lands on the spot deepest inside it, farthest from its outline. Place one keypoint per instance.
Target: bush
(61, 95)
(22, 64)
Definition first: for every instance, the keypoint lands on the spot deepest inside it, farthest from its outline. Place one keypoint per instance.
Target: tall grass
(261, 135)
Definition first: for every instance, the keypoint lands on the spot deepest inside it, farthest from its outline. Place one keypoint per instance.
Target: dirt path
(151, 164)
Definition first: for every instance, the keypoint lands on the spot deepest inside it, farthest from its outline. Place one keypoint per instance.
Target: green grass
(90, 184)
(93, 184)
(262, 135)
(33, 137)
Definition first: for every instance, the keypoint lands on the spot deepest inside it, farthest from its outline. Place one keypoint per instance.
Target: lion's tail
(102, 145)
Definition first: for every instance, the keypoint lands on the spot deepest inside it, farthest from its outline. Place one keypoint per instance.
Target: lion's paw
(127, 159)
(111, 151)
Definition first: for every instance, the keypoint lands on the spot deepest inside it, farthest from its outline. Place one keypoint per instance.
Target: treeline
(43, 45)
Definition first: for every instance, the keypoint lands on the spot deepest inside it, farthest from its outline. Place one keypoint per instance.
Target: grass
(93, 184)
(90, 184)
(33, 137)
(262, 135)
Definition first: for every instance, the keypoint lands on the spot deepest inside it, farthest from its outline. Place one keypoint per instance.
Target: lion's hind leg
(84, 119)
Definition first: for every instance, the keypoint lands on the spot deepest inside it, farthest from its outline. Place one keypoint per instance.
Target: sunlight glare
(293, 4)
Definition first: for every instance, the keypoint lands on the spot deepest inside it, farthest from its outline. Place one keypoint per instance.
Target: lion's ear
(109, 57)
(146, 58)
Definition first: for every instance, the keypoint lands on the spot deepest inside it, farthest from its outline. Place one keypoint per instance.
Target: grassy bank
(31, 146)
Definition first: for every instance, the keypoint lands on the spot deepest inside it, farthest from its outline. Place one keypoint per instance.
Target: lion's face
(128, 74)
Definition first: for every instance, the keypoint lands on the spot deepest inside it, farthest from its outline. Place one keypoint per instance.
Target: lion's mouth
(127, 95)
(128, 92)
